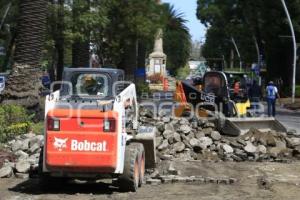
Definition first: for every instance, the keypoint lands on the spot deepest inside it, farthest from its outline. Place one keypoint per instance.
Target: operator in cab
(92, 86)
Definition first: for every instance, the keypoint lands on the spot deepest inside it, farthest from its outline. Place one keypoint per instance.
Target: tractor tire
(44, 178)
(46, 181)
(130, 179)
(141, 152)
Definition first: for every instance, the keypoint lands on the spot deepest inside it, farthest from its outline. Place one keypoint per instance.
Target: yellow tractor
(216, 101)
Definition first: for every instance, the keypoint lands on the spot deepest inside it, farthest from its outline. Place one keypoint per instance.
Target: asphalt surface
(289, 118)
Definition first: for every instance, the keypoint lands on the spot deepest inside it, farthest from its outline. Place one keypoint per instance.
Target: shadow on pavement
(31, 187)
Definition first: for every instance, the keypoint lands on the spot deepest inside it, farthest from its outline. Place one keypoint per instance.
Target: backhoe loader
(214, 101)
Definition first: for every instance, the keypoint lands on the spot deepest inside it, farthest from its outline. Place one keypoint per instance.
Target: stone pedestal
(157, 59)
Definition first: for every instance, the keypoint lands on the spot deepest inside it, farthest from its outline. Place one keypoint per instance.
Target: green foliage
(142, 89)
(177, 40)
(13, 130)
(14, 120)
(182, 73)
(37, 128)
(130, 22)
(287, 91)
(69, 22)
(85, 17)
(115, 28)
(8, 30)
(298, 91)
(251, 23)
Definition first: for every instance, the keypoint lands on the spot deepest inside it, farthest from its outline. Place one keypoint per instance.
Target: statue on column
(157, 58)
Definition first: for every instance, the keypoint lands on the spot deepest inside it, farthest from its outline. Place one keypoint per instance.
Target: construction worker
(90, 85)
(255, 95)
(272, 95)
(236, 89)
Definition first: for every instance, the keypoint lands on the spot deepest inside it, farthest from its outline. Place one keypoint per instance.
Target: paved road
(291, 119)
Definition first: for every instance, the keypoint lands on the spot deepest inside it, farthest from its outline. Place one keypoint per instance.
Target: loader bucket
(240, 126)
(146, 136)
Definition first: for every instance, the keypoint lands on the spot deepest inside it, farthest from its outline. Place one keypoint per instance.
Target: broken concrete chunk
(23, 166)
(227, 148)
(179, 147)
(6, 172)
(250, 148)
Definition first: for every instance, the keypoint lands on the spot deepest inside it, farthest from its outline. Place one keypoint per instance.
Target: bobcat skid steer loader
(91, 131)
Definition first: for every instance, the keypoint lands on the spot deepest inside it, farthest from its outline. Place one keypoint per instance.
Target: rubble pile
(176, 138)
(198, 139)
(22, 154)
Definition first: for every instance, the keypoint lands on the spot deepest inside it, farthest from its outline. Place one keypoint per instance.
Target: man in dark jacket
(255, 95)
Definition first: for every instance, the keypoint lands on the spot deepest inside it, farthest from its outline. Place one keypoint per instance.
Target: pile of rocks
(194, 139)
(24, 153)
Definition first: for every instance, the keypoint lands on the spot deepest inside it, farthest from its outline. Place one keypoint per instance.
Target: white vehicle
(91, 130)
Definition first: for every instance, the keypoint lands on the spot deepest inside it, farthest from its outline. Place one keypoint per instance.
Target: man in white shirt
(272, 94)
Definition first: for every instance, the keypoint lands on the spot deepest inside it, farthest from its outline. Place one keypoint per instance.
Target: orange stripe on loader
(180, 98)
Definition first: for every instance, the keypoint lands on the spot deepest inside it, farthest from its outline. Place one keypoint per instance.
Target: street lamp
(5, 14)
(237, 51)
(295, 50)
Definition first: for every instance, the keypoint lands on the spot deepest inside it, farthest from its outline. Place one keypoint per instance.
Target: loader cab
(242, 78)
(91, 83)
(215, 83)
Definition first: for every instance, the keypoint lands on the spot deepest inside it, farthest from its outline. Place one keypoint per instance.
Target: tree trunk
(129, 62)
(81, 49)
(31, 29)
(80, 54)
(23, 85)
(141, 59)
(232, 59)
(59, 43)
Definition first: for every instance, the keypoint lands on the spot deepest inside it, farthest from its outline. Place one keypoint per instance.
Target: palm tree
(22, 86)
(177, 39)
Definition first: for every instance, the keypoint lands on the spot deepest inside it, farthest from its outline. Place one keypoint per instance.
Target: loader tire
(141, 155)
(44, 178)
(46, 181)
(129, 180)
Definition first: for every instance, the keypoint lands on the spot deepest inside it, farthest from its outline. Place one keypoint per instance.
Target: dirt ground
(274, 181)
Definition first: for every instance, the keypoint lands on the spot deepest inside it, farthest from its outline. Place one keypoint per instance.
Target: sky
(188, 8)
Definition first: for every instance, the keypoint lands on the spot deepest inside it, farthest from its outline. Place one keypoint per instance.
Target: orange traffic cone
(166, 84)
